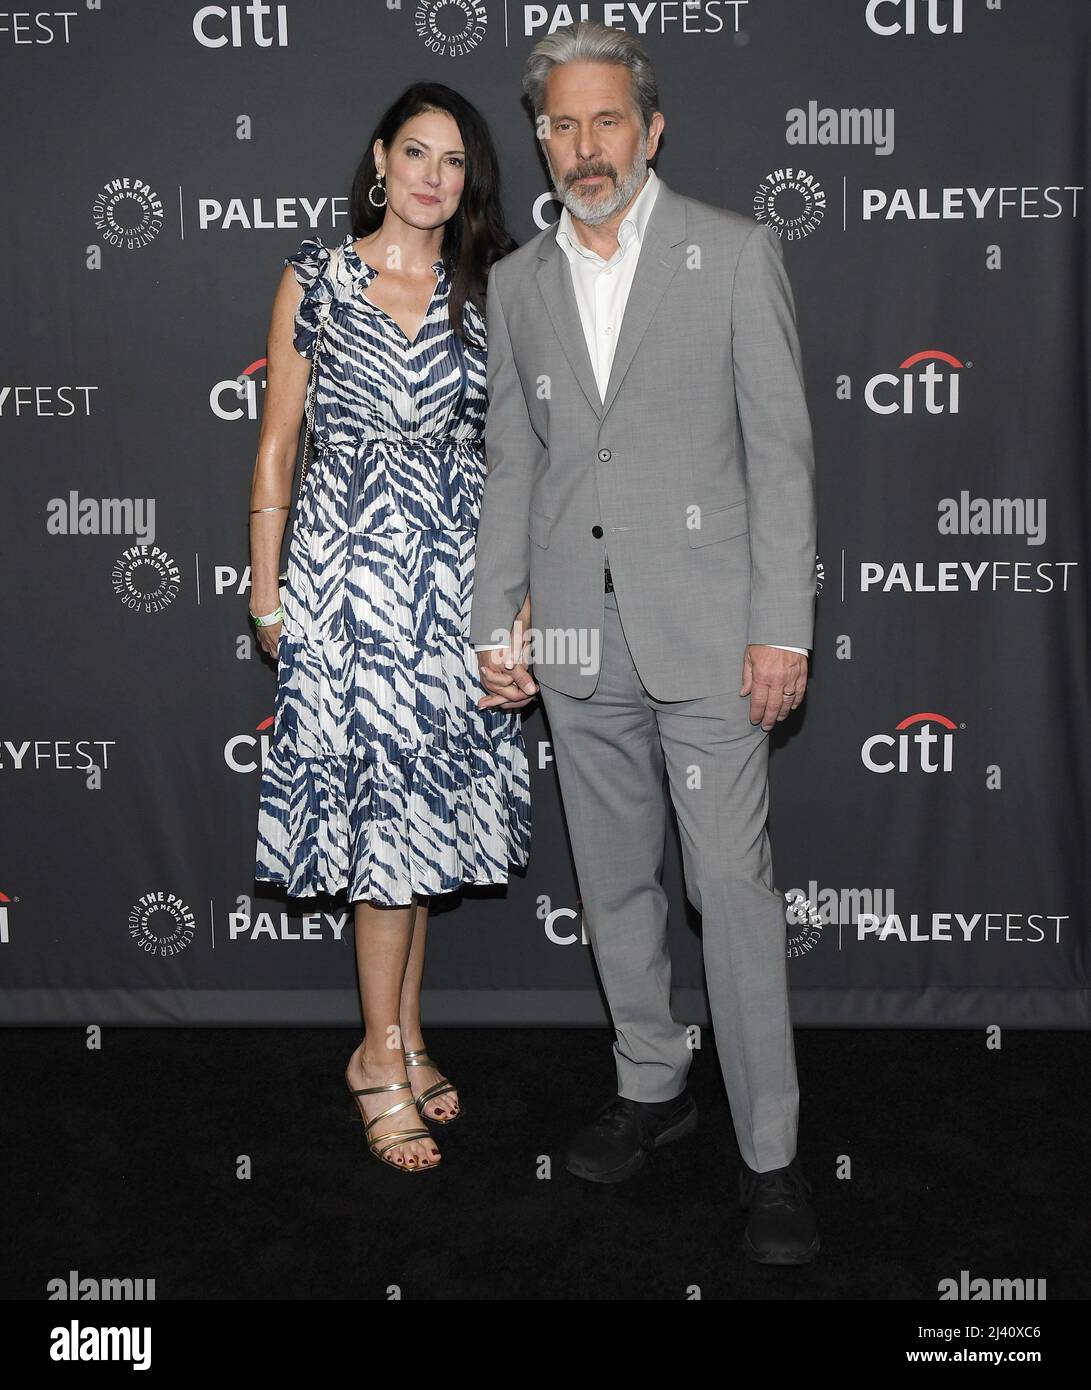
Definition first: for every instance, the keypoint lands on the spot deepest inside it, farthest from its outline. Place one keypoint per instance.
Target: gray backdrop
(925, 164)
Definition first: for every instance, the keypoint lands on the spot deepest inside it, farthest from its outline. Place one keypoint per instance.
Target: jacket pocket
(721, 524)
(539, 528)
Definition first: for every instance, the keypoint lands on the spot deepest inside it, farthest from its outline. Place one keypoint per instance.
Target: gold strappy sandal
(422, 1059)
(396, 1137)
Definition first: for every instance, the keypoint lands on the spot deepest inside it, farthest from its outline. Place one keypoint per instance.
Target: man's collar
(632, 225)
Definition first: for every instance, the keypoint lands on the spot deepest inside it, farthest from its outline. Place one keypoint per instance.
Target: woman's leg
(444, 1106)
(383, 939)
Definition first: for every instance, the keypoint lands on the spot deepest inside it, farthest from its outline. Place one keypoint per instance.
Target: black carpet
(124, 1163)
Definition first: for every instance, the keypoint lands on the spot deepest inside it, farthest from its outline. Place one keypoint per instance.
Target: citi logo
(873, 125)
(236, 398)
(913, 746)
(222, 26)
(890, 17)
(913, 388)
(568, 934)
(248, 752)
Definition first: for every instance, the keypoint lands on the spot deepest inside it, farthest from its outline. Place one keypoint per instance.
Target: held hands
(503, 671)
(775, 680)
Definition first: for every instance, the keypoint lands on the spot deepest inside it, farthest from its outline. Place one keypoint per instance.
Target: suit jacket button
(596, 531)
(605, 455)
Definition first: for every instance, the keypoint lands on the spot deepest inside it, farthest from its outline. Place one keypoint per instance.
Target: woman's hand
(505, 683)
(266, 601)
(269, 638)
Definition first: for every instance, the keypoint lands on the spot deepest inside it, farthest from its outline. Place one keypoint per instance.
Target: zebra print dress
(383, 778)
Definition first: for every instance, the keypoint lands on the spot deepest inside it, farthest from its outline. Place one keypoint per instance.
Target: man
(651, 485)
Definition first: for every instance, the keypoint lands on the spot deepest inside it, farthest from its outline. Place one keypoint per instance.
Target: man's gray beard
(594, 211)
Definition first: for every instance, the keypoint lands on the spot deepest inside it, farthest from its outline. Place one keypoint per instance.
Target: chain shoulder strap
(312, 392)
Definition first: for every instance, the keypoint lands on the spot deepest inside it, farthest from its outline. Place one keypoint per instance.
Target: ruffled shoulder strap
(473, 323)
(311, 266)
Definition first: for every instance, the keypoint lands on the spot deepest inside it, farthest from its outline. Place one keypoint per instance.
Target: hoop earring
(381, 189)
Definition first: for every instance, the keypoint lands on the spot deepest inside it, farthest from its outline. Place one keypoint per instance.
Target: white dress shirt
(602, 292)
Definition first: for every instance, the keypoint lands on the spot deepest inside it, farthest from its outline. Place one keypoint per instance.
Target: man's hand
(503, 673)
(775, 680)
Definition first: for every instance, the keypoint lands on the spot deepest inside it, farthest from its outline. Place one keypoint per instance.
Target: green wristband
(277, 614)
(270, 618)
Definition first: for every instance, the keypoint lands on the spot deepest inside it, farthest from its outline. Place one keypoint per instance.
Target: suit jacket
(695, 475)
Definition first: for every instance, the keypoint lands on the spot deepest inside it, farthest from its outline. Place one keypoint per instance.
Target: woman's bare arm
(287, 373)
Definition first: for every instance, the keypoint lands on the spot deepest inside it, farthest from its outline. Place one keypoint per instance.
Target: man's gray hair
(592, 43)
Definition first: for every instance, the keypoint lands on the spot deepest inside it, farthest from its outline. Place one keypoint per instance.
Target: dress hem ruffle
(383, 829)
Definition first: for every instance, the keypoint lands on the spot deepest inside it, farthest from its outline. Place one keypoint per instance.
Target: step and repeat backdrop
(925, 163)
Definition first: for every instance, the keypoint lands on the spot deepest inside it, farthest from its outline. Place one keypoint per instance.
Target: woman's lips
(425, 198)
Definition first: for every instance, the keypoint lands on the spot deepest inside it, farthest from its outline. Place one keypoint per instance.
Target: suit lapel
(661, 252)
(555, 283)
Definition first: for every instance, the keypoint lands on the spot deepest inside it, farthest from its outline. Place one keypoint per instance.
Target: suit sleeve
(502, 562)
(779, 448)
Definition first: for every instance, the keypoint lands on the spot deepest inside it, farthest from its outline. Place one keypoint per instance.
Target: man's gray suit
(695, 477)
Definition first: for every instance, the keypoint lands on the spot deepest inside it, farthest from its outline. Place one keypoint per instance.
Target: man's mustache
(604, 171)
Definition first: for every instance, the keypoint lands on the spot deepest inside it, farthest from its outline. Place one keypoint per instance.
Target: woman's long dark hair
(475, 236)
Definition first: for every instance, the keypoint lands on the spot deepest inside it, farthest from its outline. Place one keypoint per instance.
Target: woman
(384, 778)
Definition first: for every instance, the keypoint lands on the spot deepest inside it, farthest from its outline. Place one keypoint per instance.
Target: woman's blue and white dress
(383, 778)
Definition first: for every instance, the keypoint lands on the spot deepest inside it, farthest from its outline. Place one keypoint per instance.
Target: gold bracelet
(270, 509)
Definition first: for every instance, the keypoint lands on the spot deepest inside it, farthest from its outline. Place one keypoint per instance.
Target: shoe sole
(686, 1125)
(801, 1257)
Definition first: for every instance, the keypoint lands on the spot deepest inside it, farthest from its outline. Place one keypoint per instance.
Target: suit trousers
(611, 751)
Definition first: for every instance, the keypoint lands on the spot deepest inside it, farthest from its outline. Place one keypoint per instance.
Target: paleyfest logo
(127, 213)
(450, 28)
(161, 924)
(146, 578)
(791, 201)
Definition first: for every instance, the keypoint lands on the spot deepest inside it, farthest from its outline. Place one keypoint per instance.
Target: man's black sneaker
(618, 1140)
